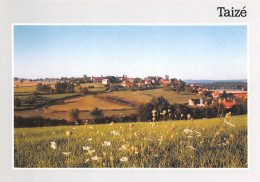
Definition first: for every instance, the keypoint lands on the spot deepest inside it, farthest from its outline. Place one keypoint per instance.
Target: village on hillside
(206, 97)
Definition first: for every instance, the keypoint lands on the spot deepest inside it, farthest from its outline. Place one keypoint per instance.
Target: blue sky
(183, 52)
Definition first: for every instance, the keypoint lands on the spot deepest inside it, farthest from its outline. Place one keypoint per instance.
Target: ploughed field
(205, 143)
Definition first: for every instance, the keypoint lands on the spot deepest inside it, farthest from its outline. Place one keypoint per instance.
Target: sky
(183, 52)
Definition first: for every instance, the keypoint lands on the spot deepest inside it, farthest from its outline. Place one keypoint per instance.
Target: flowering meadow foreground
(205, 143)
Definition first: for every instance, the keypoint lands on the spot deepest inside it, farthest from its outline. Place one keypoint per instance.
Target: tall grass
(208, 143)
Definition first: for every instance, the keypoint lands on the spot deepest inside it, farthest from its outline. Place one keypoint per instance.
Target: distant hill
(213, 81)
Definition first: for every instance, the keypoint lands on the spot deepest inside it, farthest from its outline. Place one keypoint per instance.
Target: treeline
(165, 111)
(225, 85)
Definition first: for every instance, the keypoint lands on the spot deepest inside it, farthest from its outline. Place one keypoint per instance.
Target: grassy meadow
(205, 143)
(145, 96)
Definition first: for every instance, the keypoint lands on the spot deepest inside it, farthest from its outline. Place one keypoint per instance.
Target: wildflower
(188, 131)
(120, 149)
(191, 119)
(231, 136)
(161, 140)
(66, 153)
(23, 134)
(104, 154)
(90, 152)
(73, 128)
(89, 139)
(171, 136)
(155, 155)
(150, 140)
(217, 133)
(173, 128)
(86, 160)
(107, 143)
(86, 148)
(111, 124)
(197, 132)
(227, 142)
(115, 132)
(68, 133)
(137, 134)
(53, 145)
(192, 147)
(99, 160)
(188, 116)
(229, 123)
(123, 159)
(111, 158)
(224, 144)
(136, 152)
(125, 147)
(91, 127)
(95, 158)
(189, 136)
(225, 139)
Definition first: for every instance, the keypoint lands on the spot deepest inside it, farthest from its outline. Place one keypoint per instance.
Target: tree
(84, 91)
(145, 110)
(17, 102)
(137, 80)
(74, 115)
(167, 77)
(98, 114)
(31, 99)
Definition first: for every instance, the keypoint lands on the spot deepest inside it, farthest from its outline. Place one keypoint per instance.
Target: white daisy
(53, 145)
(107, 143)
(123, 159)
(95, 158)
(89, 139)
(91, 152)
(192, 147)
(86, 148)
(66, 153)
(188, 131)
(115, 132)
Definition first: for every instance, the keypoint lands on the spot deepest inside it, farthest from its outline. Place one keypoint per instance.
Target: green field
(207, 143)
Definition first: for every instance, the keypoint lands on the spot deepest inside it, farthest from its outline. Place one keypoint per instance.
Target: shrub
(17, 102)
(98, 114)
(73, 115)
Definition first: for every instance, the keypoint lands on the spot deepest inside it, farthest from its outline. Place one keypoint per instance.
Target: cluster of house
(200, 89)
(216, 98)
(129, 82)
